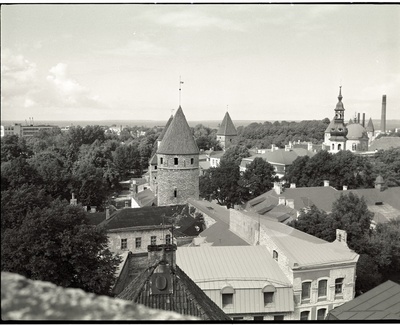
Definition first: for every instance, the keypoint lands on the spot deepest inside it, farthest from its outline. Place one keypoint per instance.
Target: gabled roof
(146, 198)
(385, 143)
(227, 127)
(149, 216)
(330, 126)
(187, 298)
(379, 303)
(237, 265)
(178, 139)
(302, 249)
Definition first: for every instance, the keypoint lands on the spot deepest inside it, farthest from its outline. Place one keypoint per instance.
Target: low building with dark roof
(385, 143)
(133, 229)
(381, 303)
(162, 284)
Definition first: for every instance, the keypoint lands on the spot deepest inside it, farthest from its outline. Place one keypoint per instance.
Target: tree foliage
(57, 244)
(387, 164)
(235, 154)
(342, 168)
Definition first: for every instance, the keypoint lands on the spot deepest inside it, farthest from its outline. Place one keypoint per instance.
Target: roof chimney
(383, 116)
(73, 201)
(290, 203)
(164, 252)
(281, 200)
(358, 118)
(278, 187)
(292, 185)
(107, 213)
(363, 120)
(341, 236)
(326, 183)
(344, 187)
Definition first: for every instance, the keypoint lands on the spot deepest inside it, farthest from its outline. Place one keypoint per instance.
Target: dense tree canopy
(342, 168)
(56, 244)
(235, 154)
(387, 164)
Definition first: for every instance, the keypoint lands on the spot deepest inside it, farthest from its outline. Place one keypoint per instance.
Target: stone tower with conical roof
(177, 163)
(226, 132)
(338, 130)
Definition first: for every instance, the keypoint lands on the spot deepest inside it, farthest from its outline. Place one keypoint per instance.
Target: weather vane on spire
(180, 83)
(227, 107)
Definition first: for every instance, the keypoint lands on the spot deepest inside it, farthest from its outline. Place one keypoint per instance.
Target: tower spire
(340, 97)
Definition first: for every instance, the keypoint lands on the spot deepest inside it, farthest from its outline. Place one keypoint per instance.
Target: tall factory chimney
(383, 116)
(363, 121)
(358, 118)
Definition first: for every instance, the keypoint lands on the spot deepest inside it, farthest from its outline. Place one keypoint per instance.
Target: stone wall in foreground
(23, 299)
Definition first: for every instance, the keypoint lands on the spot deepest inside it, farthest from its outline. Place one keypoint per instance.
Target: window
(279, 317)
(304, 315)
(155, 167)
(333, 146)
(275, 255)
(175, 161)
(168, 239)
(258, 318)
(227, 300)
(321, 314)
(339, 146)
(124, 243)
(322, 285)
(354, 147)
(268, 298)
(305, 290)
(138, 242)
(175, 193)
(153, 240)
(191, 161)
(161, 160)
(237, 318)
(339, 286)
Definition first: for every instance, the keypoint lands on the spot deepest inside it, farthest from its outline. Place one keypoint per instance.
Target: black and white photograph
(198, 161)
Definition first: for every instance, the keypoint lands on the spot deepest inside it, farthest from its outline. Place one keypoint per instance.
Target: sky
(259, 62)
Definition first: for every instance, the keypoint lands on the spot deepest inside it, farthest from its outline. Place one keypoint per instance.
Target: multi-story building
(322, 273)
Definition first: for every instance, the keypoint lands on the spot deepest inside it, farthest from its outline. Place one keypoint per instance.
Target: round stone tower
(178, 164)
(226, 132)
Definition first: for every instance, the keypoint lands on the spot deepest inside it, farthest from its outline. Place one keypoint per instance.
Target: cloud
(18, 75)
(68, 91)
(194, 19)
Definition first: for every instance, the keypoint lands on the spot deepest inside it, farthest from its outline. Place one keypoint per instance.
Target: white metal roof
(240, 266)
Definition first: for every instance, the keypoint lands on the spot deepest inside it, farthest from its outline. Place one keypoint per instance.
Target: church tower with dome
(339, 136)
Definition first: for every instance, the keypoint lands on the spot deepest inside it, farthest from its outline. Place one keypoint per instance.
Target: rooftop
(178, 138)
(379, 303)
(385, 143)
(227, 127)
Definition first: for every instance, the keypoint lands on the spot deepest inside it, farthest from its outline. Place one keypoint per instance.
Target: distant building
(381, 303)
(280, 159)
(25, 130)
(353, 136)
(226, 133)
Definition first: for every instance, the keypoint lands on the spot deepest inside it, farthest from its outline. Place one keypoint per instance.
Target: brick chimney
(290, 203)
(326, 183)
(278, 187)
(292, 185)
(344, 187)
(282, 200)
(383, 115)
(363, 120)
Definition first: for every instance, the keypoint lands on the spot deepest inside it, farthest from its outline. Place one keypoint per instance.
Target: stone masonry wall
(27, 300)
(183, 177)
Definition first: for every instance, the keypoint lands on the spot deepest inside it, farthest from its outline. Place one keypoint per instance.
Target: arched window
(268, 293)
(321, 313)
(333, 146)
(275, 255)
(339, 146)
(354, 147)
(304, 315)
(227, 296)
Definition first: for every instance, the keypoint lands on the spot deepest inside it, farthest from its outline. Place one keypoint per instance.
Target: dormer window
(269, 294)
(275, 255)
(227, 296)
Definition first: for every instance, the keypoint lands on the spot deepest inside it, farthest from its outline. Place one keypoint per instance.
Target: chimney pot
(326, 183)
